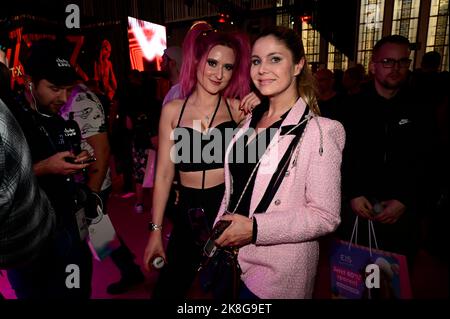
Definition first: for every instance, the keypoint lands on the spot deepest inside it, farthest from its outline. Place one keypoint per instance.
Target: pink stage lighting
(147, 42)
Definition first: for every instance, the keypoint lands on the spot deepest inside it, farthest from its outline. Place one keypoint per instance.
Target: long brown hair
(306, 84)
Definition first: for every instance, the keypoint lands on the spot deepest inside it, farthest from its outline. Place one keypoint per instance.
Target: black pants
(55, 274)
(122, 257)
(183, 254)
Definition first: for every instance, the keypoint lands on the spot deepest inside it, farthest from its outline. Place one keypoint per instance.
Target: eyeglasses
(390, 63)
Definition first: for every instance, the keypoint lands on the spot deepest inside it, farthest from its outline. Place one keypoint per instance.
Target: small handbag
(220, 275)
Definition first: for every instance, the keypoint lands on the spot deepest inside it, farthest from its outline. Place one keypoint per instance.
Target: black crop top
(196, 151)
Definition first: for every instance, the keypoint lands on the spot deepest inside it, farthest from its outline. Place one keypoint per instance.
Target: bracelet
(154, 227)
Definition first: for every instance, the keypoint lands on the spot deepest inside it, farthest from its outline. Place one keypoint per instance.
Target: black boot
(131, 274)
(126, 283)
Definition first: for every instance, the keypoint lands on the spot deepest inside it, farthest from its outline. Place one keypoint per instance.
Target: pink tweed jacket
(283, 262)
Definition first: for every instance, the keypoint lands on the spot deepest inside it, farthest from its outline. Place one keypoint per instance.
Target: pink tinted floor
(133, 229)
(429, 278)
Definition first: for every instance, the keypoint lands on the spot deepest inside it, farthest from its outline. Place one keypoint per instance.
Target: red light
(306, 18)
(223, 17)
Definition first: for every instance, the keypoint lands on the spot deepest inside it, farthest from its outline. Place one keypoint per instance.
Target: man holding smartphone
(49, 81)
(86, 109)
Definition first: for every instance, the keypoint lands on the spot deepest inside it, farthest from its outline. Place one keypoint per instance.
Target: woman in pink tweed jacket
(279, 248)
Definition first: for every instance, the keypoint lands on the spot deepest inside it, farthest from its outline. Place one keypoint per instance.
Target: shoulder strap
(182, 111)
(282, 168)
(215, 112)
(229, 112)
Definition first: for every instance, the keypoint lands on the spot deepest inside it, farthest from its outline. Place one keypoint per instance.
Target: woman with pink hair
(214, 78)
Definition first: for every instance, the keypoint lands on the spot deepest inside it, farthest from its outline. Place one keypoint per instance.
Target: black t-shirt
(45, 137)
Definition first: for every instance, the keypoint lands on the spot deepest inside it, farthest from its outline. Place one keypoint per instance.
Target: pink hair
(196, 46)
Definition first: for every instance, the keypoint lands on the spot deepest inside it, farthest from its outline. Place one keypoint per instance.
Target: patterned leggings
(140, 156)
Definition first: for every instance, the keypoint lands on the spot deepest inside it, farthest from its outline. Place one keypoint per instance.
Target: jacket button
(287, 173)
(277, 202)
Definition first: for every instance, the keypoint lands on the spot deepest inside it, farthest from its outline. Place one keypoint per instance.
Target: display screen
(147, 42)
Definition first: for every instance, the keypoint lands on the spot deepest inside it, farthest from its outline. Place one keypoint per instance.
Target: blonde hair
(307, 88)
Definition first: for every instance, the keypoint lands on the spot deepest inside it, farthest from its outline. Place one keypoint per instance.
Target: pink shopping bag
(355, 269)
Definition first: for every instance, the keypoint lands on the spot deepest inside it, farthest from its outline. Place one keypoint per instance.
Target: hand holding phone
(219, 228)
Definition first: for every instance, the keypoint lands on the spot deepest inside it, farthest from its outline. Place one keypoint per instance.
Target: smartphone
(377, 207)
(89, 160)
(219, 228)
(86, 161)
(210, 247)
(70, 160)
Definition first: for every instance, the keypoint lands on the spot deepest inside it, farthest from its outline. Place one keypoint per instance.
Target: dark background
(100, 19)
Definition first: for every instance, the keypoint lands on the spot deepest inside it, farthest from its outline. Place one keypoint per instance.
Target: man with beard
(55, 159)
(380, 166)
